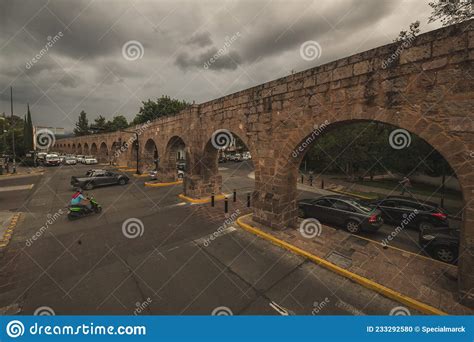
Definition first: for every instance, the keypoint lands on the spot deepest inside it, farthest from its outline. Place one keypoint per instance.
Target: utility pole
(13, 130)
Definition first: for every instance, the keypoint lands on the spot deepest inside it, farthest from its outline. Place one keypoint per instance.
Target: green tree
(118, 122)
(99, 125)
(28, 131)
(82, 125)
(451, 12)
(163, 106)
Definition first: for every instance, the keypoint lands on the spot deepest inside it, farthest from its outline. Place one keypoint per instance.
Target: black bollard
(248, 200)
(302, 179)
(322, 183)
(234, 195)
(226, 205)
(212, 200)
(310, 181)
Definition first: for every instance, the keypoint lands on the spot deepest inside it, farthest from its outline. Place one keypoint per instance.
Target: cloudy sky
(106, 56)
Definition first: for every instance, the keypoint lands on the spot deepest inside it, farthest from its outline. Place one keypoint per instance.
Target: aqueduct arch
(150, 155)
(85, 150)
(103, 153)
(426, 89)
(94, 149)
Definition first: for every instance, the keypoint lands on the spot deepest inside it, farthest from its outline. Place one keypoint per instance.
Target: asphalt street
(164, 264)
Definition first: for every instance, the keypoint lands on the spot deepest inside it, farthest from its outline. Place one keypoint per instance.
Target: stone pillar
(202, 177)
(274, 198)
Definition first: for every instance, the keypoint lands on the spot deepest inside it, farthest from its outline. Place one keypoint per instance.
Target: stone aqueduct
(426, 89)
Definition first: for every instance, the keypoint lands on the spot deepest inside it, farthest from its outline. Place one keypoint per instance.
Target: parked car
(345, 211)
(70, 161)
(246, 156)
(153, 174)
(52, 160)
(428, 215)
(41, 157)
(90, 160)
(98, 178)
(92, 171)
(441, 243)
(80, 158)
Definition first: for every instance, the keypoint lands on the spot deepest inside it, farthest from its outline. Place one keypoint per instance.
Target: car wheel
(122, 181)
(425, 226)
(352, 227)
(89, 186)
(301, 213)
(447, 254)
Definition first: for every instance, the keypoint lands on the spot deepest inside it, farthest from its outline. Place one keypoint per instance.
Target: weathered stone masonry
(427, 90)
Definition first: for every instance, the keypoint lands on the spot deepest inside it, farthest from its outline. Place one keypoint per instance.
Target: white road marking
(16, 187)
(281, 310)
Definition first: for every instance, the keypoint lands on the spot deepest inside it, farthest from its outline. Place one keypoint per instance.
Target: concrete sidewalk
(423, 279)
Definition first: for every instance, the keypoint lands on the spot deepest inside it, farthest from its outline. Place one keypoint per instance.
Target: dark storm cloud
(200, 39)
(210, 59)
(272, 38)
(185, 48)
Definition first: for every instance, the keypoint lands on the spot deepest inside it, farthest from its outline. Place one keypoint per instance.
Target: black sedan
(97, 178)
(441, 244)
(344, 211)
(418, 214)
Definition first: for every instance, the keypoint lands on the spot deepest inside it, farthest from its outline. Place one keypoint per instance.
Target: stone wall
(426, 89)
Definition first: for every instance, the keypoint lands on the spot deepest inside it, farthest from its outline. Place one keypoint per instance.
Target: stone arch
(275, 191)
(93, 150)
(73, 148)
(175, 151)
(150, 155)
(79, 148)
(103, 153)
(85, 149)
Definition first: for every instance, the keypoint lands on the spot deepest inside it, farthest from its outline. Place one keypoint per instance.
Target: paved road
(14, 191)
(90, 266)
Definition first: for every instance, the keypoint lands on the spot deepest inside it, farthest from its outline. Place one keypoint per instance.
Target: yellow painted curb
(370, 284)
(158, 185)
(352, 194)
(202, 200)
(7, 235)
